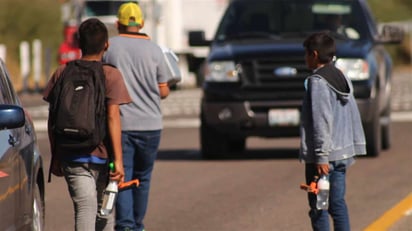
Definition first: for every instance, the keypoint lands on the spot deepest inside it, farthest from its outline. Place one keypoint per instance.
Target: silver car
(21, 166)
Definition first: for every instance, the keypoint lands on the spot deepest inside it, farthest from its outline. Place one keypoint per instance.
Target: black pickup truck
(254, 74)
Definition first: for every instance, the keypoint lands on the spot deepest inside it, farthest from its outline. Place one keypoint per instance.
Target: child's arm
(113, 119)
(164, 90)
(322, 120)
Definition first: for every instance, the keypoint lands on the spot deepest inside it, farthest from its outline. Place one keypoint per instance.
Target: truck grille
(260, 73)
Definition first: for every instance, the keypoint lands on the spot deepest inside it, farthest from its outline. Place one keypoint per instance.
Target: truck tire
(213, 145)
(236, 146)
(386, 127)
(373, 136)
(386, 136)
(200, 77)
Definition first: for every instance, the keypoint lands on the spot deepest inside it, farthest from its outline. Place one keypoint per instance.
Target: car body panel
(21, 166)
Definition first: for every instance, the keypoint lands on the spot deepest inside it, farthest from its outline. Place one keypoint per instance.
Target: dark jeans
(337, 204)
(139, 154)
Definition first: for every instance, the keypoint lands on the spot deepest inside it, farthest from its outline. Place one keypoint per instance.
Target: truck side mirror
(391, 34)
(197, 39)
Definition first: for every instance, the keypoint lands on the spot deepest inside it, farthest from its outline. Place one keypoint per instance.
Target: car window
(286, 18)
(3, 90)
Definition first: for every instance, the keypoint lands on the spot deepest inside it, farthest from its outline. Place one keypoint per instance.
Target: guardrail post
(37, 60)
(25, 63)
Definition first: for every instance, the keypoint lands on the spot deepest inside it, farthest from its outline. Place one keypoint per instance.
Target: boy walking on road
(331, 130)
(144, 69)
(86, 171)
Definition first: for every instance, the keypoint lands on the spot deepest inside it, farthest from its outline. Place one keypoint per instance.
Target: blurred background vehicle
(166, 22)
(255, 71)
(69, 48)
(21, 168)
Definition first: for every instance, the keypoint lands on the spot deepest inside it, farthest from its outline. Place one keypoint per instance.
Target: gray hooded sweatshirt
(331, 127)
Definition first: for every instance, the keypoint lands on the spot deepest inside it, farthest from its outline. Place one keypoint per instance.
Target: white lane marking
(404, 116)
(181, 123)
(41, 125)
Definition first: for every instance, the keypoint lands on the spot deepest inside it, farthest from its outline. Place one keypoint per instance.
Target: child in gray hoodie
(331, 130)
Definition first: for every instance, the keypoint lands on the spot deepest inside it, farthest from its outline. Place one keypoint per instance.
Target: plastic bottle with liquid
(323, 193)
(109, 196)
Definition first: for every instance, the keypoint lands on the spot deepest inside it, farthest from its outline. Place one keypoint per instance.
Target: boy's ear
(106, 46)
(315, 54)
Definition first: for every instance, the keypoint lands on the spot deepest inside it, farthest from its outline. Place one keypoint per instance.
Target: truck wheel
(373, 137)
(199, 77)
(386, 127)
(213, 145)
(386, 136)
(237, 145)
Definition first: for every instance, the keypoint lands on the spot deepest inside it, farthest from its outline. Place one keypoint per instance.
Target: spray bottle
(109, 196)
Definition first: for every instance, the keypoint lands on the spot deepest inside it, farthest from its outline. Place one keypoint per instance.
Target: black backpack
(78, 107)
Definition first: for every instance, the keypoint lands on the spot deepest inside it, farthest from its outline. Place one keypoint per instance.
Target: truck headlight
(221, 71)
(354, 69)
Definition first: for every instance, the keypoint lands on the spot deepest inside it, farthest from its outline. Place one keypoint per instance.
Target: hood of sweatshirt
(336, 81)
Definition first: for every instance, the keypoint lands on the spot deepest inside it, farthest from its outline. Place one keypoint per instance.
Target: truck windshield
(101, 8)
(292, 18)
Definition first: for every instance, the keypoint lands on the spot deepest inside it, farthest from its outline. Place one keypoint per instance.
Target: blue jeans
(139, 155)
(86, 183)
(337, 204)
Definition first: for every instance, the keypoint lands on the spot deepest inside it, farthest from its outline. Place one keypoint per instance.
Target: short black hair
(323, 43)
(93, 36)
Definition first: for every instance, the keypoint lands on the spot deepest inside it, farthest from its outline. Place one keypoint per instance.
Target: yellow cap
(129, 11)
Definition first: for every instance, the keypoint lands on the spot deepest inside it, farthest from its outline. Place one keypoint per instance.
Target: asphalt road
(258, 190)
(255, 191)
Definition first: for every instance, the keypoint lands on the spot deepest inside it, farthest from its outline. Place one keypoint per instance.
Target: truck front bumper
(244, 119)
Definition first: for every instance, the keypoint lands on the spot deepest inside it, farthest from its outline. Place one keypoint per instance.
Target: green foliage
(395, 10)
(391, 10)
(22, 20)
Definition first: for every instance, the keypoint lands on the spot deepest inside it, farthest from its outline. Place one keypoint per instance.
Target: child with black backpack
(84, 125)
